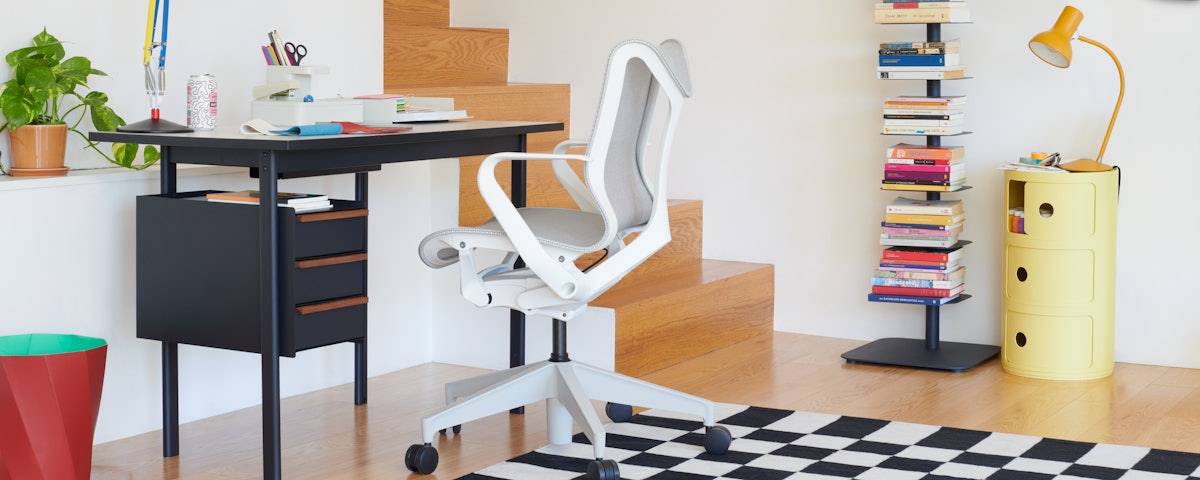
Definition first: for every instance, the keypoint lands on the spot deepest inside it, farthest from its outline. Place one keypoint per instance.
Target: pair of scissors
(295, 53)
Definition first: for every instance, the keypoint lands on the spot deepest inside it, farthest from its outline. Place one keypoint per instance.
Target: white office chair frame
(548, 241)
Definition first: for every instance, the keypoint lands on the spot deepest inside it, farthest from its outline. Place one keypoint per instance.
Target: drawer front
(1049, 277)
(328, 327)
(1059, 211)
(324, 234)
(1045, 343)
(318, 281)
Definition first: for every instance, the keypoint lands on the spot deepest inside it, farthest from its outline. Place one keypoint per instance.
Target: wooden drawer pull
(330, 305)
(335, 215)
(334, 260)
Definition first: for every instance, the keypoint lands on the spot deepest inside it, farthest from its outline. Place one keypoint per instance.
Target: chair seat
(559, 228)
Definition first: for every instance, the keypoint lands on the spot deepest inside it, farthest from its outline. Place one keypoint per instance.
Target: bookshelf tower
(929, 352)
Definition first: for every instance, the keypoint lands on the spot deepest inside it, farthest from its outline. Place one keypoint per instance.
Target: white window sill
(107, 175)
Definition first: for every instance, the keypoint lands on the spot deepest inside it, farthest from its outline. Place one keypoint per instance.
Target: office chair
(623, 192)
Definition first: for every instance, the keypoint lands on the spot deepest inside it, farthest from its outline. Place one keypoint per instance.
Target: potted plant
(43, 101)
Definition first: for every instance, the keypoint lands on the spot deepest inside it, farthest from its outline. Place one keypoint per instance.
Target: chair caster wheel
(456, 429)
(603, 470)
(717, 440)
(618, 412)
(422, 459)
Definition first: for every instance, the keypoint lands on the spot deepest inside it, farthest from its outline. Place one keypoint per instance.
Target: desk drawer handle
(335, 215)
(330, 305)
(334, 260)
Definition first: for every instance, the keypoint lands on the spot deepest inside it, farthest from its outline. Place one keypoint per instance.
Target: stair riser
(417, 56)
(667, 329)
(423, 13)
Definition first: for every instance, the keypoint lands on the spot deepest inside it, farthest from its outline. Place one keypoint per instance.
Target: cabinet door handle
(330, 305)
(334, 215)
(334, 260)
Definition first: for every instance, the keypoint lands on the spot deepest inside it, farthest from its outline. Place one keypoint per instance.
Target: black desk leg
(270, 317)
(170, 393)
(516, 320)
(360, 346)
(360, 371)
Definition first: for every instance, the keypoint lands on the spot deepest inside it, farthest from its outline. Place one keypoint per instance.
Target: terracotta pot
(38, 149)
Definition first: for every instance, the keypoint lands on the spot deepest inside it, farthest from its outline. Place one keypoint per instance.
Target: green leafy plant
(43, 90)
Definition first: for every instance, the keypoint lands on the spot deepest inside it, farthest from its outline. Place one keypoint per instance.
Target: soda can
(202, 102)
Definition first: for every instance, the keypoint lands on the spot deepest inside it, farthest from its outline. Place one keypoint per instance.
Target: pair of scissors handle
(295, 52)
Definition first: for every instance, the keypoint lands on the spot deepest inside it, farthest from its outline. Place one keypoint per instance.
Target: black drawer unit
(198, 274)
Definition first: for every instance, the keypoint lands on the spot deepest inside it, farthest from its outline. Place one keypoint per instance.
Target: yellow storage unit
(1059, 274)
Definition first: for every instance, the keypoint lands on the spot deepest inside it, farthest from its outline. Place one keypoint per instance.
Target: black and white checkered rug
(770, 444)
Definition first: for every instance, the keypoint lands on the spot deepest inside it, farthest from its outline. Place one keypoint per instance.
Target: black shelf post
(930, 352)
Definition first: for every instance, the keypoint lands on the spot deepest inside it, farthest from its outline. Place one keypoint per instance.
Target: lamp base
(154, 125)
(1084, 165)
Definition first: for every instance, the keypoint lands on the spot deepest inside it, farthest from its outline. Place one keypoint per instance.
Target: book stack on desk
(301, 202)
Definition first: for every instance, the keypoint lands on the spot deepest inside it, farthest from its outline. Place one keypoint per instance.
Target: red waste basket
(49, 397)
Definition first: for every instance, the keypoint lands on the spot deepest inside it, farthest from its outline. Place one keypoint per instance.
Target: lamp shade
(1054, 46)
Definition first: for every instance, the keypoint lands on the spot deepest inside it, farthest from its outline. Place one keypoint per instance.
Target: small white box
(291, 113)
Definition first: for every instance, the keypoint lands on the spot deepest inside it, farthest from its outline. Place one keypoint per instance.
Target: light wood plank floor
(326, 437)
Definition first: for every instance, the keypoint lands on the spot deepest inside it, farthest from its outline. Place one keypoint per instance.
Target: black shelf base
(912, 352)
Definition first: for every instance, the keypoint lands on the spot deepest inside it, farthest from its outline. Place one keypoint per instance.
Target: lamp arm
(1120, 96)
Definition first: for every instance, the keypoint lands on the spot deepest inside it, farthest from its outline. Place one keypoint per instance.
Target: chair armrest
(536, 258)
(569, 179)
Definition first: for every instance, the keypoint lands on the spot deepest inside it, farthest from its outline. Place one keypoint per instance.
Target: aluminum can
(202, 102)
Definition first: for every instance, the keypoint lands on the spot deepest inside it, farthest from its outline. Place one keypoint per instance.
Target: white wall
(781, 142)
(68, 261)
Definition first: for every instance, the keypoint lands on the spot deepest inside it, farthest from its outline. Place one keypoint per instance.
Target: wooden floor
(326, 437)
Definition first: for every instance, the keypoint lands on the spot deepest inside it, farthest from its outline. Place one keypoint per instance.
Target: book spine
(920, 122)
(914, 266)
(915, 60)
(913, 15)
(923, 226)
(918, 183)
(931, 257)
(948, 75)
(915, 291)
(908, 187)
(921, 176)
(929, 232)
(918, 130)
(923, 116)
(910, 167)
(922, 219)
(896, 242)
(918, 274)
(922, 210)
(875, 297)
(915, 283)
(912, 50)
(937, 112)
(921, 162)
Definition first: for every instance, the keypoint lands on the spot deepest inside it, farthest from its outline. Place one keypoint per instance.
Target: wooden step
(412, 13)
(687, 232)
(417, 56)
(689, 310)
(509, 101)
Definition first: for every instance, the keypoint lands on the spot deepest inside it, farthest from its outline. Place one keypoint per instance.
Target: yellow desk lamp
(1054, 47)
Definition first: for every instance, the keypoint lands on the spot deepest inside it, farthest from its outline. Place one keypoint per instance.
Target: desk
(271, 158)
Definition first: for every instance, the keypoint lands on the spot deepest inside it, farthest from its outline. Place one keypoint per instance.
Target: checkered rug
(770, 444)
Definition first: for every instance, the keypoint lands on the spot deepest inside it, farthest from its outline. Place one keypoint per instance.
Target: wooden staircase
(674, 307)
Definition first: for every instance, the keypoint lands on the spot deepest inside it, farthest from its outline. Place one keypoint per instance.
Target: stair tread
(679, 277)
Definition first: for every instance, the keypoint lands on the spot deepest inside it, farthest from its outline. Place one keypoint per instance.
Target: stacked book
(919, 61)
(924, 168)
(922, 223)
(922, 11)
(924, 115)
(918, 276)
(301, 202)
